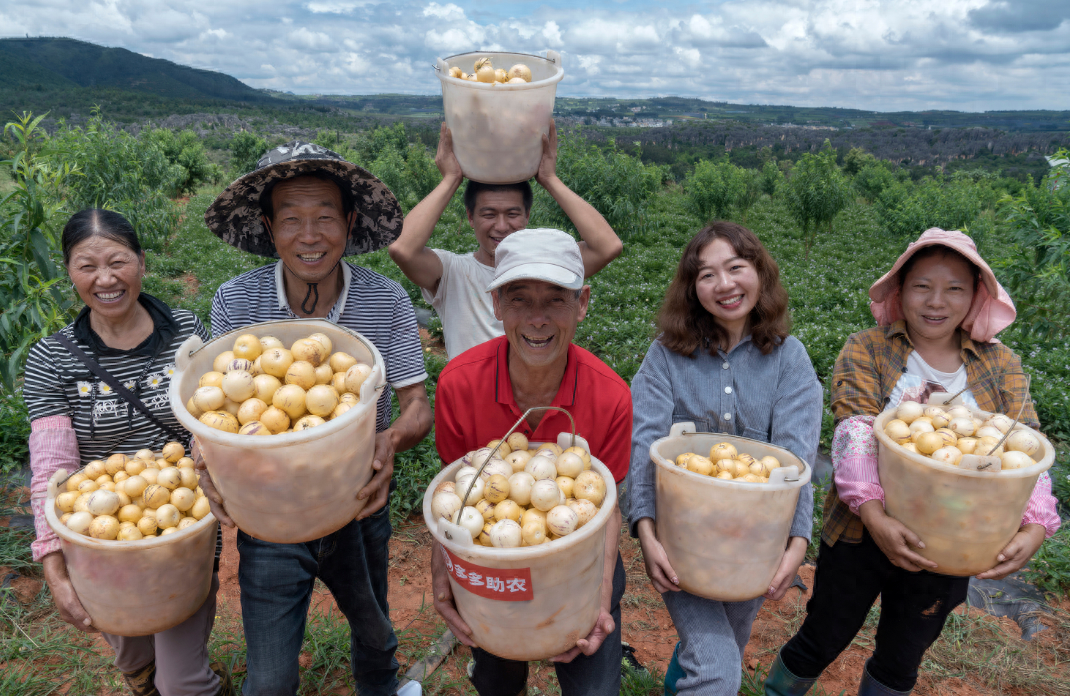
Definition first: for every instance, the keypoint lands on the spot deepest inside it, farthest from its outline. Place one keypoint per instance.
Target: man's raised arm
(409, 251)
(600, 243)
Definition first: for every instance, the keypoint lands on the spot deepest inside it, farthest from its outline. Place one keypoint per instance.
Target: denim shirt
(774, 398)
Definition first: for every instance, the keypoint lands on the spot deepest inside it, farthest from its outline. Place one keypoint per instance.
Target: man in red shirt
(539, 296)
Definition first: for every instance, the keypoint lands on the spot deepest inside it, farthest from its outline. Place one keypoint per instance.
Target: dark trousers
(594, 675)
(848, 581)
(276, 583)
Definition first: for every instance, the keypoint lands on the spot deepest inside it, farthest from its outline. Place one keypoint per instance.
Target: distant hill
(51, 63)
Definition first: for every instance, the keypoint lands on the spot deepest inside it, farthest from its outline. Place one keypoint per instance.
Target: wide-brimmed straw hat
(992, 309)
(235, 218)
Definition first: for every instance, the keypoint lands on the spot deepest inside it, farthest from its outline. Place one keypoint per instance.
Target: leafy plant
(908, 209)
(714, 187)
(770, 178)
(872, 179)
(246, 149)
(817, 191)
(132, 176)
(185, 150)
(1037, 269)
(33, 304)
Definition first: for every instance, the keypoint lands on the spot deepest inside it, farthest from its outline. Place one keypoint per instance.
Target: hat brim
(887, 284)
(235, 216)
(547, 272)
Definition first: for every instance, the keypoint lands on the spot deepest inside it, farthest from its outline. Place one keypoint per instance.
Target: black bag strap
(116, 385)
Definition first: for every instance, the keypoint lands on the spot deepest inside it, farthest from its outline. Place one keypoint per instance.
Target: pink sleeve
(53, 446)
(1041, 507)
(854, 462)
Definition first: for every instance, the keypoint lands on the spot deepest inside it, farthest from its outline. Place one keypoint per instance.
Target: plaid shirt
(866, 372)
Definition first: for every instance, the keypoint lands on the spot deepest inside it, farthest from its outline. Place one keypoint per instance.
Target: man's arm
(600, 243)
(411, 426)
(409, 251)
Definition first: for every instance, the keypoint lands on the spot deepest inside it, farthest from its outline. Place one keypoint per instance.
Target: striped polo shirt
(58, 384)
(374, 306)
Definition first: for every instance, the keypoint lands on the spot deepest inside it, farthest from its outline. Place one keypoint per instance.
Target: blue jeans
(276, 583)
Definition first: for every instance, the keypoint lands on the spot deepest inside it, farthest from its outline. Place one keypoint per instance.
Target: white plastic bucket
(964, 517)
(565, 580)
(497, 128)
(724, 539)
(137, 588)
(293, 487)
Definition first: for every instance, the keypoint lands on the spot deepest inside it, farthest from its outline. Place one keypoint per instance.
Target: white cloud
(881, 54)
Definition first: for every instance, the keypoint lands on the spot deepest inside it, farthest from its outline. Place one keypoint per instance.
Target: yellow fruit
(307, 422)
(321, 400)
(276, 361)
(325, 341)
(275, 419)
(254, 428)
(247, 346)
(147, 525)
(269, 342)
(722, 450)
(340, 362)
(301, 373)
(209, 398)
(104, 527)
(251, 409)
(200, 509)
(221, 360)
(355, 377)
(523, 72)
(308, 350)
(291, 399)
(238, 385)
(220, 420)
(324, 374)
(927, 443)
(265, 387)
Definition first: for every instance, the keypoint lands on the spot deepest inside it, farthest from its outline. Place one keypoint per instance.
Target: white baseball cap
(549, 255)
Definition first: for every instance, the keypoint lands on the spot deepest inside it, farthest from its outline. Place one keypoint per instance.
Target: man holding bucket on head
(308, 207)
(456, 284)
(539, 297)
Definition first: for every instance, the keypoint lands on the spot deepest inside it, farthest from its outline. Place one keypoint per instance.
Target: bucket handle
(506, 437)
(551, 56)
(678, 429)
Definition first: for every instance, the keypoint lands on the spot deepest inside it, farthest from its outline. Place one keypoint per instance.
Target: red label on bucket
(491, 583)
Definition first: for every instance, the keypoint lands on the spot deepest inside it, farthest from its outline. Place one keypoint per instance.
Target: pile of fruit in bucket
(725, 462)
(524, 495)
(945, 435)
(484, 71)
(129, 498)
(260, 387)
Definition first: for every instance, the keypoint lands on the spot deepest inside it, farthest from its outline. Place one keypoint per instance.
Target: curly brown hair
(685, 325)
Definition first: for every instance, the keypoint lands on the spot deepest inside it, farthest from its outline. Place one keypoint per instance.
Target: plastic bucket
(137, 588)
(964, 517)
(294, 487)
(497, 128)
(724, 539)
(563, 580)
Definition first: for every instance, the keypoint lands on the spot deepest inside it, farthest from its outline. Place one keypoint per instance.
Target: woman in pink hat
(938, 311)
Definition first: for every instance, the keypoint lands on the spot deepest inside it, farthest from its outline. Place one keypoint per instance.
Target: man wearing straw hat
(307, 207)
(539, 296)
(455, 284)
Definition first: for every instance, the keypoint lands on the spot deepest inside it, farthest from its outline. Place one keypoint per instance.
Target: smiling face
(936, 295)
(310, 228)
(540, 319)
(497, 214)
(107, 275)
(727, 286)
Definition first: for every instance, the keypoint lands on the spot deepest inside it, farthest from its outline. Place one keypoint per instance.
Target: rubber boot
(226, 688)
(871, 687)
(142, 682)
(673, 673)
(781, 682)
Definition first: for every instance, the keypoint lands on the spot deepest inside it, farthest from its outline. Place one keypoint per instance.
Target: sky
(882, 55)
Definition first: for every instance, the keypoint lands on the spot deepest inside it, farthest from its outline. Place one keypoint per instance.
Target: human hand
(789, 566)
(67, 603)
(548, 164)
(378, 489)
(657, 562)
(445, 160)
(443, 598)
(215, 501)
(893, 538)
(603, 627)
(1016, 553)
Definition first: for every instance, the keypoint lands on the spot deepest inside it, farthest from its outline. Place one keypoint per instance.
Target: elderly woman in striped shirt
(76, 418)
(938, 310)
(723, 360)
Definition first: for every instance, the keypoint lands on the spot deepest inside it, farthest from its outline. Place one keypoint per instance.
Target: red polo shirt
(474, 404)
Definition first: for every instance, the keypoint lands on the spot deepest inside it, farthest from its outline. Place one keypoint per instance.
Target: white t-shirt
(920, 379)
(463, 303)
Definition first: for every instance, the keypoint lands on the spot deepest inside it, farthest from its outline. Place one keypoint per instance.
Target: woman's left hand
(1017, 553)
(789, 566)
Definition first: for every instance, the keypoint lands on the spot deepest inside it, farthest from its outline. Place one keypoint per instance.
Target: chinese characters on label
(492, 583)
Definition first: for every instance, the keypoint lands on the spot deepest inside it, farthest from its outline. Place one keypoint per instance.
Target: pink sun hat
(992, 309)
